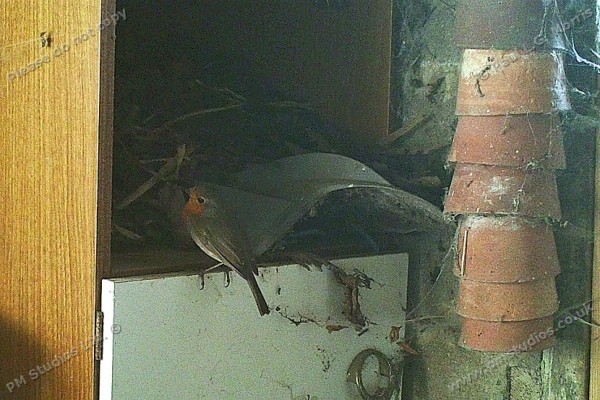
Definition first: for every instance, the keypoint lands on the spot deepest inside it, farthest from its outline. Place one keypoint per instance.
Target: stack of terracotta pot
(506, 150)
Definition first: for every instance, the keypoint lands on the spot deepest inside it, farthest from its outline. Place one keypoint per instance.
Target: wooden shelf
(150, 262)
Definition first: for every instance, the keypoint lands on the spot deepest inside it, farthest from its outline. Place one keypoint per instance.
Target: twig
(289, 104)
(198, 113)
(425, 318)
(463, 259)
(170, 166)
(593, 325)
(126, 232)
(406, 129)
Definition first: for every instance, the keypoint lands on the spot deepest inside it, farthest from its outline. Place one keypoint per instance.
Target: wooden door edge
(105, 149)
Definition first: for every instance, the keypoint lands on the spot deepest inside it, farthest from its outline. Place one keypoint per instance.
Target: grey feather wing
(225, 241)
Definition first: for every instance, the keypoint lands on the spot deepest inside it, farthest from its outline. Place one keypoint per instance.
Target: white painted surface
(106, 365)
(165, 338)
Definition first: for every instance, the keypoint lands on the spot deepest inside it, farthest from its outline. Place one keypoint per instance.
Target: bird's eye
(201, 200)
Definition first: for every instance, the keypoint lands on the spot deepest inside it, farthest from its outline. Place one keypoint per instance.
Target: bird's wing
(232, 249)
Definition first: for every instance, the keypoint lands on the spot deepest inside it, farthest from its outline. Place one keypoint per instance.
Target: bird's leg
(206, 271)
(227, 278)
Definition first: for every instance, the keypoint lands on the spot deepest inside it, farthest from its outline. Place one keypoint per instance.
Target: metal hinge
(98, 336)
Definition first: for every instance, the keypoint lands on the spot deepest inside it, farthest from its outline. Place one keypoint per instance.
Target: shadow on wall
(18, 378)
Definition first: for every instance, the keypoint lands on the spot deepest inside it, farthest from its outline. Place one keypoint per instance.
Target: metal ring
(386, 368)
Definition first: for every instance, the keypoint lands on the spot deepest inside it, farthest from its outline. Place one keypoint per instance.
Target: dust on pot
(505, 250)
(501, 82)
(532, 140)
(507, 301)
(508, 337)
(509, 24)
(483, 189)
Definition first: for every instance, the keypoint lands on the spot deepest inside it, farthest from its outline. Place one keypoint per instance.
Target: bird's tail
(263, 307)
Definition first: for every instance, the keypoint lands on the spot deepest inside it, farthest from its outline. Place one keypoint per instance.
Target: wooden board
(336, 59)
(165, 337)
(49, 173)
(153, 262)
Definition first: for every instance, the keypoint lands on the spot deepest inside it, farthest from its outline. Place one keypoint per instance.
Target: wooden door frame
(105, 160)
(55, 174)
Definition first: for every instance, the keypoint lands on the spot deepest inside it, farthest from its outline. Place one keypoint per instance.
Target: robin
(220, 235)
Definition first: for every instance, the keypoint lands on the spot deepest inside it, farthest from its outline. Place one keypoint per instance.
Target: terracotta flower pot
(508, 337)
(510, 141)
(508, 24)
(481, 189)
(501, 82)
(505, 250)
(507, 301)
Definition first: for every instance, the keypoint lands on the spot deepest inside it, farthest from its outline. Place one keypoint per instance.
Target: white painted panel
(165, 338)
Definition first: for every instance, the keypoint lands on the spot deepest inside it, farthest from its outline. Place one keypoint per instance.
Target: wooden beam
(49, 158)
